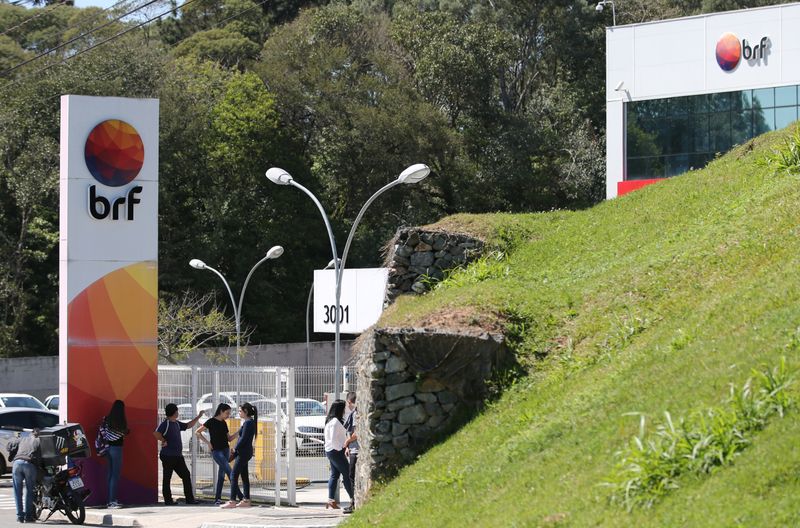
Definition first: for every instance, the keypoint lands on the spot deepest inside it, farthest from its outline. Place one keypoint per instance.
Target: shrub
(651, 465)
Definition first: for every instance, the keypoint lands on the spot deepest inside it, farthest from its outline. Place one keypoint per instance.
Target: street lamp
(412, 174)
(273, 253)
(308, 310)
(602, 4)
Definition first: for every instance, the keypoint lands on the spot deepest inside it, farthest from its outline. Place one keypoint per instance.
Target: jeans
(114, 455)
(221, 457)
(339, 466)
(24, 471)
(178, 465)
(240, 468)
(353, 461)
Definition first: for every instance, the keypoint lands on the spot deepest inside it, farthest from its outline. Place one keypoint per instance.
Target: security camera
(599, 7)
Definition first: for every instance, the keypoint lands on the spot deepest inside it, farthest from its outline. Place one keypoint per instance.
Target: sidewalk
(310, 513)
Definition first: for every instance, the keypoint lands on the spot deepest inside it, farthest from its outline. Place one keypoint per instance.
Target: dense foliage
(501, 98)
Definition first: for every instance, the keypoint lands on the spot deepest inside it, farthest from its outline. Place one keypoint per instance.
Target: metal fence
(291, 404)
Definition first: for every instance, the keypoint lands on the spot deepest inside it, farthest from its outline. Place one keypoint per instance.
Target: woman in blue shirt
(242, 454)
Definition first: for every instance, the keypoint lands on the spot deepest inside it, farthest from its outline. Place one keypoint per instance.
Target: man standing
(169, 434)
(351, 444)
(26, 454)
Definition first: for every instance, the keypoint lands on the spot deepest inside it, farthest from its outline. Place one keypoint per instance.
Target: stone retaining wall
(419, 256)
(415, 387)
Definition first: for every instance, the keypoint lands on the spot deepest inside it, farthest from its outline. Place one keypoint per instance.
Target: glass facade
(666, 137)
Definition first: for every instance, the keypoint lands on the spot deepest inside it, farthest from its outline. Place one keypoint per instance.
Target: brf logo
(730, 51)
(114, 155)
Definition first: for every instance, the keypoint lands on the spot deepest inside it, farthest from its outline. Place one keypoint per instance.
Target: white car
(309, 416)
(309, 425)
(21, 420)
(9, 399)
(51, 402)
(206, 401)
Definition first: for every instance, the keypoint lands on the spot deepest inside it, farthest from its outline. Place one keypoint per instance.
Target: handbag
(100, 442)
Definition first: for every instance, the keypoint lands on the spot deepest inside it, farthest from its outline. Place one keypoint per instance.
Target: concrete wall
(321, 353)
(37, 376)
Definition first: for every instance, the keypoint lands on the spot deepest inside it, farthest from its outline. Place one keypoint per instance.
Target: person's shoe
(219, 502)
(114, 505)
(21, 521)
(349, 509)
(332, 504)
(193, 502)
(170, 503)
(228, 505)
(244, 503)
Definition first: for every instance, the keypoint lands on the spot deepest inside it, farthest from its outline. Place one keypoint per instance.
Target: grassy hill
(653, 302)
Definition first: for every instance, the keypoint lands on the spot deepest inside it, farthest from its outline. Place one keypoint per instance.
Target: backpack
(100, 442)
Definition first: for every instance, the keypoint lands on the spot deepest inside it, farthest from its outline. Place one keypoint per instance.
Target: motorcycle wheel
(75, 510)
(37, 503)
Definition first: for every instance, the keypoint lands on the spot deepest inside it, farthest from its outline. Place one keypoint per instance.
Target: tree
(190, 322)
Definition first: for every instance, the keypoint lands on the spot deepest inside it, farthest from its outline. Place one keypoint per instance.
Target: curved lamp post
(273, 253)
(308, 310)
(413, 174)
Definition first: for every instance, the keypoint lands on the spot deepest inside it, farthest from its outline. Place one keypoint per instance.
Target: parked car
(206, 401)
(309, 421)
(309, 425)
(51, 402)
(9, 399)
(14, 420)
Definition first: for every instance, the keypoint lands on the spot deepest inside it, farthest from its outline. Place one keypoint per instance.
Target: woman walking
(114, 428)
(335, 438)
(242, 454)
(217, 428)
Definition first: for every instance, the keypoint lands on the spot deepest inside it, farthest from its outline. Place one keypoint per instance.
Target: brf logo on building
(114, 155)
(730, 51)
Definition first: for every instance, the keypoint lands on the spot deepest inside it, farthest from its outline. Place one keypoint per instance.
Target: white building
(678, 92)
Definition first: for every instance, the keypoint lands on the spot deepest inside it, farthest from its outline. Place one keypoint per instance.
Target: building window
(666, 137)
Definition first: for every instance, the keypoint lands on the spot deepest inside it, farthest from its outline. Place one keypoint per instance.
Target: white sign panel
(361, 301)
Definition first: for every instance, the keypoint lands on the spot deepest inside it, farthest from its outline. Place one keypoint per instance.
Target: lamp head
(275, 252)
(331, 264)
(279, 176)
(415, 173)
(599, 7)
(197, 264)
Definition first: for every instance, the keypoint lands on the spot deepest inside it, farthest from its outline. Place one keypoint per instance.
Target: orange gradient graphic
(729, 51)
(114, 153)
(113, 354)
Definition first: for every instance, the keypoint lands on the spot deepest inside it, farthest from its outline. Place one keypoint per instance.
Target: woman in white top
(335, 437)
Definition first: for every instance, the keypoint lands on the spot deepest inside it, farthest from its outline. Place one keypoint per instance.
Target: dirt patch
(466, 320)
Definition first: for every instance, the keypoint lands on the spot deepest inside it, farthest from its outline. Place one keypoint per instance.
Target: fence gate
(289, 449)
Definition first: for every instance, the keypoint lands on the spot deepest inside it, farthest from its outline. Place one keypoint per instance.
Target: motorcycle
(60, 490)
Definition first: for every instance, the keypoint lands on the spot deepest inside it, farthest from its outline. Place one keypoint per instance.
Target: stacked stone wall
(419, 257)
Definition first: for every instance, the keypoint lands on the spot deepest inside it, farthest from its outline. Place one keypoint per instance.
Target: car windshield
(265, 408)
(21, 401)
(306, 408)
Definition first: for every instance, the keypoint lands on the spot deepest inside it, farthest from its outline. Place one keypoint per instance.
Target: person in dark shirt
(26, 454)
(169, 434)
(351, 445)
(114, 428)
(242, 453)
(217, 428)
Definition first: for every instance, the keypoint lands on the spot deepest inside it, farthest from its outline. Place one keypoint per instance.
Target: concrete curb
(102, 518)
(284, 525)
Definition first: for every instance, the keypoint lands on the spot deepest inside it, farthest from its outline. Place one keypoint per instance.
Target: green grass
(651, 303)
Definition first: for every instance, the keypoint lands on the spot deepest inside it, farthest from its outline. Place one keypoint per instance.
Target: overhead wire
(43, 11)
(216, 25)
(74, 39)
